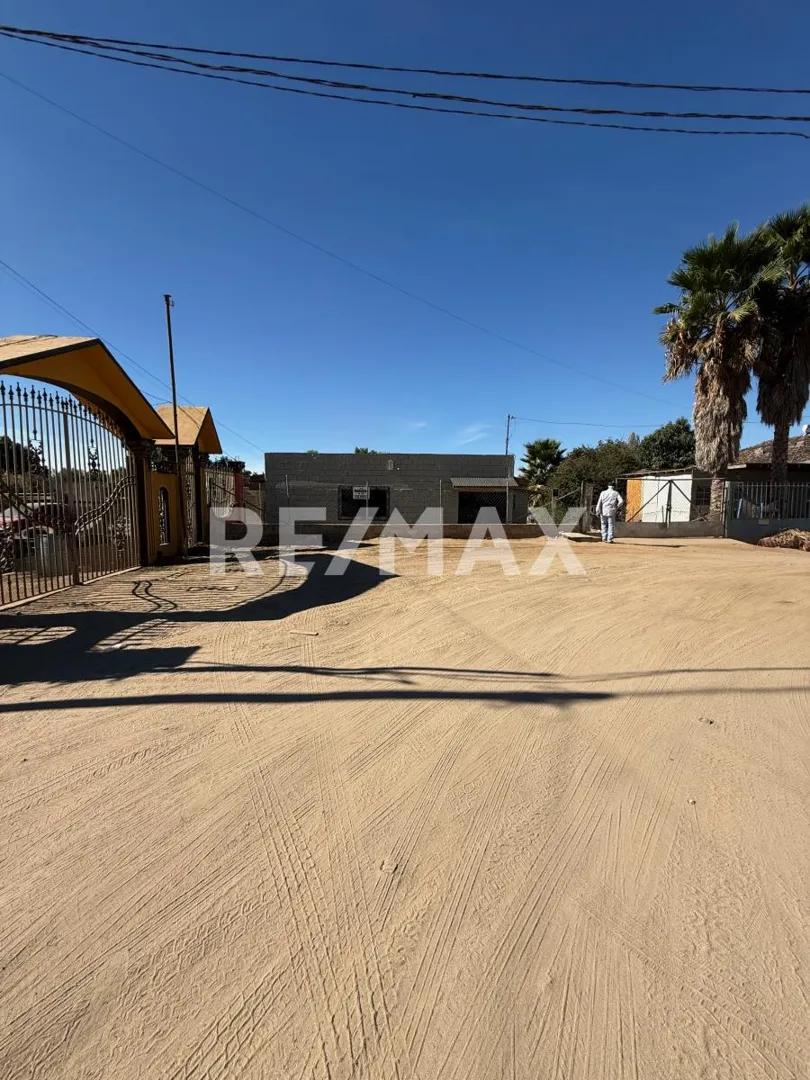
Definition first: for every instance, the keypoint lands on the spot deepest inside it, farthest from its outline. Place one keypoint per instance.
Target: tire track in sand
(542, 888)
(295, 876)
(471, 857)
(383, 1052)
(427, 797)
(218, 1048)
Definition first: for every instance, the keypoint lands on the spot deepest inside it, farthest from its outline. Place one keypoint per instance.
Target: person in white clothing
(608, 503)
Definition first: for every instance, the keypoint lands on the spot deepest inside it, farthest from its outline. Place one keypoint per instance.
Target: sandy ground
(456, 828)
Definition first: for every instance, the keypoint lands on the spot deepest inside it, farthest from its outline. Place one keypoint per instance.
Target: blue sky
(558, 238)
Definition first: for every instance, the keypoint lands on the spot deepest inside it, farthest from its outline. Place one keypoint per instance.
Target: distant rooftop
(798, 452)
(195, 427)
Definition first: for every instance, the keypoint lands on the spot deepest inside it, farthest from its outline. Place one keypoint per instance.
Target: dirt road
(450, 828)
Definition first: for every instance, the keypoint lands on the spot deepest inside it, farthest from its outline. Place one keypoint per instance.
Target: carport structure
(475, 493)
(76, 498)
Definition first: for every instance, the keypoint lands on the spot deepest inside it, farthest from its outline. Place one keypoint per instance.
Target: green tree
(783, 364)
(364, 450)
(540, 458)
(672, 446)
(16, 457)
(713, 332)
(224, 461)
(597, 465)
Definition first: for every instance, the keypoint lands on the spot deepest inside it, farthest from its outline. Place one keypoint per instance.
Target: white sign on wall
(360, 492)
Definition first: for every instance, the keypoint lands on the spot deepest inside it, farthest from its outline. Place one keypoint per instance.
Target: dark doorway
(470, 502)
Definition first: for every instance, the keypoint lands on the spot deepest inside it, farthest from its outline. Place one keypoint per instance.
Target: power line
(112, 346)
(332, 95)
(317, 247)
(86, 326)
(357, 267)
(617, 427)
(581, 423)
(359, 66)
(80, 322)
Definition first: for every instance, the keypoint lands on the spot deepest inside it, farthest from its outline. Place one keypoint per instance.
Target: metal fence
(751, 500)
(559, 502)
(67, 494)
(254, 497)
(188, 474)
(223, 486)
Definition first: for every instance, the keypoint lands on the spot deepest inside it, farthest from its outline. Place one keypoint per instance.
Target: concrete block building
(382, 482)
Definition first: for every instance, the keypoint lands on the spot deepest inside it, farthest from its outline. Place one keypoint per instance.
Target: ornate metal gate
(68, 508)
(188, 471)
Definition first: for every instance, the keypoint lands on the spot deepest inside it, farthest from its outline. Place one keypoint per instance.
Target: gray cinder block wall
(414, 481)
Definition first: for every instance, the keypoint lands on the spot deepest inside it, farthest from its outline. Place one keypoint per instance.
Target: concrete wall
(751, 531)
(658, 530)
(332, 534)
(415, 481)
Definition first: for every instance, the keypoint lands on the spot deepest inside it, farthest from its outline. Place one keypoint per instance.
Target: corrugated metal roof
(482, 482)
(687, 470)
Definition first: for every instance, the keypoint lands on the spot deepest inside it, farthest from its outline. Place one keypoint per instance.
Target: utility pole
(509, 419)
(180, 486)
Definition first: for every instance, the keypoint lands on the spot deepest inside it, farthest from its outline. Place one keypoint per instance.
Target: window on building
(349, 505)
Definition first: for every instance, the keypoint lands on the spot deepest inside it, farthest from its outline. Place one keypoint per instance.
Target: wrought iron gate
(189, 475)
(68, 509)
(223, 489)
(222, 484)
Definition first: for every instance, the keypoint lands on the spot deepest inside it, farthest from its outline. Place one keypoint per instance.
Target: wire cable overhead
(334, 89)
(32, 285)
(397, 69)
(136, 54)
(321, 249)
(196, 65)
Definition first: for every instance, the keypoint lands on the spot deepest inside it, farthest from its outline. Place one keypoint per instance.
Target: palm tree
(540, 458)
(783, 299)
(714, 331)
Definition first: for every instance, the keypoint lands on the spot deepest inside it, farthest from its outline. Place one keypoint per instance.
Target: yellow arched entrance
(76, 494)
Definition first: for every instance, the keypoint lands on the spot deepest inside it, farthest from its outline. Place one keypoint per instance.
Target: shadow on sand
(79, 646)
